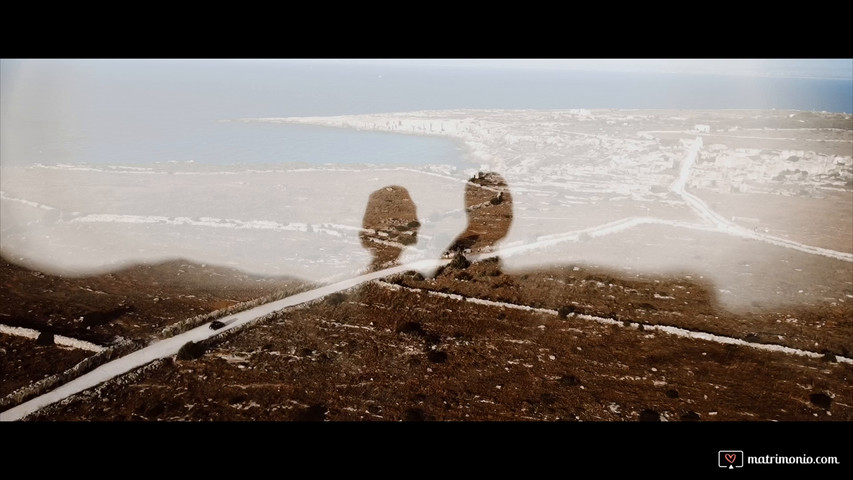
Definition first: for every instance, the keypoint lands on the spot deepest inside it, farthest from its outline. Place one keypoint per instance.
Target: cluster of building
(743, 170)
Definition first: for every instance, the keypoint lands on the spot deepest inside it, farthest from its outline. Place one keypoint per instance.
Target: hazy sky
(775, 67)
(835, 68)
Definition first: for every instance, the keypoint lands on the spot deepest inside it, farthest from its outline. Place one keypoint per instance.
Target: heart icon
(730, 457)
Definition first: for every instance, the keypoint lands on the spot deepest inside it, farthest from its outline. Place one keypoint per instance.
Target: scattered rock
(374, 409)
(464, 276)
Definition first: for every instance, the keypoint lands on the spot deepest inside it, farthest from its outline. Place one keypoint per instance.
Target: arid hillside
(478, 344)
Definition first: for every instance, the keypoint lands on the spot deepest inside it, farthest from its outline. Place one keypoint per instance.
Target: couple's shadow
(391, 223)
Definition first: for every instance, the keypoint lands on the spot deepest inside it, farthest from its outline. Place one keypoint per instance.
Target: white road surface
(170, 346)
(724, 226)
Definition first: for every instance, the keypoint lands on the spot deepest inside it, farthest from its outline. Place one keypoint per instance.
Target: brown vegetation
(413, 349)
(130, 305)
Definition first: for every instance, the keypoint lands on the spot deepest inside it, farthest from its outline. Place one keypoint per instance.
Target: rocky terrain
(477, 344)
(683, 266)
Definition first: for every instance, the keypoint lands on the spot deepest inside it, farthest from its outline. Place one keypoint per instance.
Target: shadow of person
(390, 224)
(488, 205)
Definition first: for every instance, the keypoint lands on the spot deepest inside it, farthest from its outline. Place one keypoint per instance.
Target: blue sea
(161, 111)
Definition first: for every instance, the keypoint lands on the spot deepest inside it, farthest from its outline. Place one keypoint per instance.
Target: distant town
(642, 148)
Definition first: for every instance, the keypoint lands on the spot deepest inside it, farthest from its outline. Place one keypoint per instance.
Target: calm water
(235, 143)
(143, 112)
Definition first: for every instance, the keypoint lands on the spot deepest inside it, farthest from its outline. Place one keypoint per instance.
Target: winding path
(724, 226)
(170, 346)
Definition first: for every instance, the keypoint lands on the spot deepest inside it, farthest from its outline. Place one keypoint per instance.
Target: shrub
(414, 415)
(411, 327)
(690, 417)
(464, 276)
(649, 416)
(435, 356)
(752, 338)
(191, 351)
(566, 310)
(821, 400)
(45, 338)
(314, 413)
(336, 298)
(415, 276)
(459, 262)
(828, 356)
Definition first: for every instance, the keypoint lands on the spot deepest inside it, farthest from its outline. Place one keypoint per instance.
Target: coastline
(586, 184)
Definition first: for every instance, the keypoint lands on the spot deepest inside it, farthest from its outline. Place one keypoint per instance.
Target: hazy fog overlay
(270, 166)
(302, 222)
